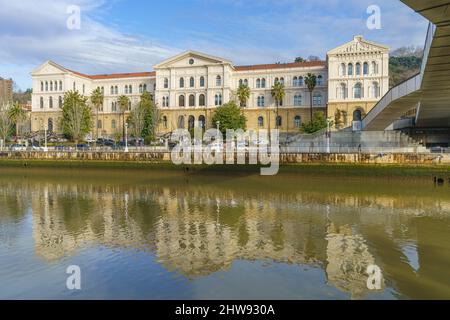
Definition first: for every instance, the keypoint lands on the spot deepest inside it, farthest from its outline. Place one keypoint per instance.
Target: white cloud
(34, 31)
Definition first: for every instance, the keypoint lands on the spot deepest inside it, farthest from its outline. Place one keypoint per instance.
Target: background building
(6, 90)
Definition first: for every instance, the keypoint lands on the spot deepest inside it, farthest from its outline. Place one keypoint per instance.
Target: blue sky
(133, 35)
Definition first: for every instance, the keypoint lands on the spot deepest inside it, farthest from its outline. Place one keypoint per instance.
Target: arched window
(202, 81)
(130, 89)
(317, 99)
(261, 101)
(202, 100)
(263, 83)
(218, 99)
(141, 90)
(112, 90)
(202, 121)
(300, 81)
(295, 82)
(192, 82)
(279, 121)
(241, 82)
(297, 100)
(181, 122)
(358, 91)
(357, 115)
(350, 69)
(342, 69)
(191, 100)
(343, 91)
(374, 67)
(60, 86)
(261, 122)
(181, 82)
(113, 106)
(218, 81)
(145, 87)
(41, 103)
(42, 86)
(320, 80)
(245, 82)
(365, 68)
(375, 90)
(258, 83)
(113, 124)
(51, 85)
(181, 102)
(50, 125)
(164, 101)
(297, 121)
(191, 122)
(166, 83)
(116, 90)
(60, 102)
(50, 102)
(164, 121)
(276, 81)
(282, 81)
(358, 69)
(126, 89)
(46, 86)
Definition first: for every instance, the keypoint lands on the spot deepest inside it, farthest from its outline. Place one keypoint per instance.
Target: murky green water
(143, 235)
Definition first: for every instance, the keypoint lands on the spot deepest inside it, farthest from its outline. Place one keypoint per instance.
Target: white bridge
(429, 91)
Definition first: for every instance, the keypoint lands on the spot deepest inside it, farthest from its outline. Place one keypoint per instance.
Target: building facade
(6, 91)
(189, 87)
(358, 77)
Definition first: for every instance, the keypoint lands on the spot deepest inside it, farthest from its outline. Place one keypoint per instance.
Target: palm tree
(97, 98)
(17, 115)
(278, 94)
(311, 82)
(124, 102)
(243, 94)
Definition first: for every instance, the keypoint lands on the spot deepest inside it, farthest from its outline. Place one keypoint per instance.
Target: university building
(189, 87)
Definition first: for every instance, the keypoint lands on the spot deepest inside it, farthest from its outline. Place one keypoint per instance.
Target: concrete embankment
(285, 158)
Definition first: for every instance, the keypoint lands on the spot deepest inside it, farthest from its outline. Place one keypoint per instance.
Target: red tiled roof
(307, 64)
(115, 75)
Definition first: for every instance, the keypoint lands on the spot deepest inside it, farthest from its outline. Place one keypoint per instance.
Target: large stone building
(189, 87)
(6, 91)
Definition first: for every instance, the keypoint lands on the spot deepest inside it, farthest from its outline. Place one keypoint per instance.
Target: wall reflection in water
(197, 226)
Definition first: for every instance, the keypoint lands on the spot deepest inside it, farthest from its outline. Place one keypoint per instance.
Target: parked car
(83, 147)
(18, 147)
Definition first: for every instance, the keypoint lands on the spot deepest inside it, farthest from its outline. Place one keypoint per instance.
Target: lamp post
(328, 135)
(126, 137)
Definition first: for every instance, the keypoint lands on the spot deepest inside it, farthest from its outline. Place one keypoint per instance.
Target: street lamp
(328, 134)
(126, 137)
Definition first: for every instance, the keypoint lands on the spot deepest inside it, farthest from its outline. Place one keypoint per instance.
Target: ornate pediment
(358, 45)
(191, 59)
(49, 68)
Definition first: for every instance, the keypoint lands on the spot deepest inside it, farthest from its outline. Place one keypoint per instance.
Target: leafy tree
(17, 115)
(229, 116)
(124, 102)
(243, 94)
(97, 98)
(278, 94)
(76, 120)
(300, 59)
(338, 119)
(319, 122)
(151, 116)
(311, 82)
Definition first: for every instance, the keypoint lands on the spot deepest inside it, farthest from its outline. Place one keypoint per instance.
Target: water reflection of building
(198, 230)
